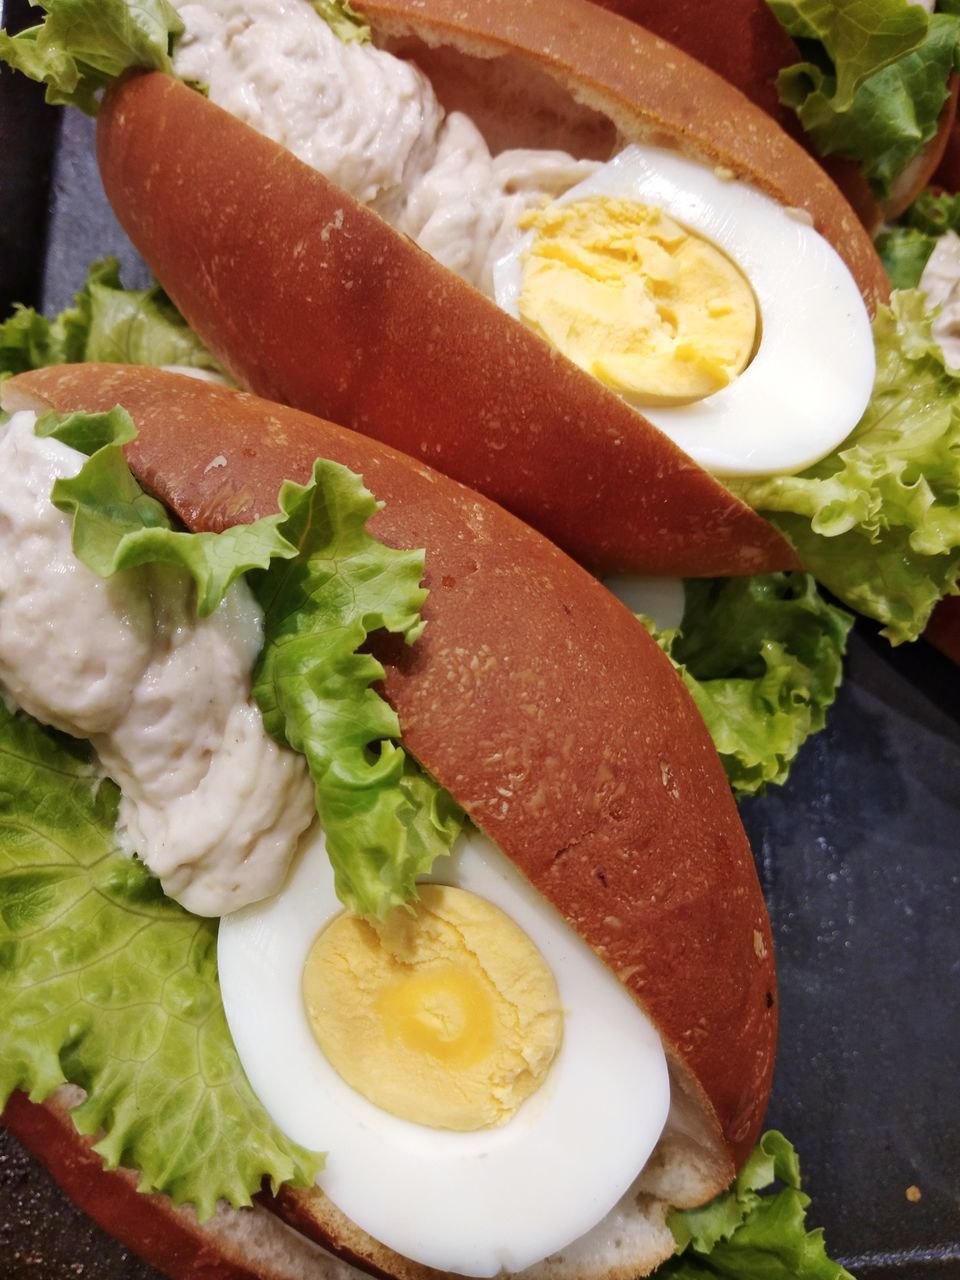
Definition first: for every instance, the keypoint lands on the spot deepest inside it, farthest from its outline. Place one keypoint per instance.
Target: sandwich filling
(371, 123)
(698, 299)
(210, 802)
(464, 1130)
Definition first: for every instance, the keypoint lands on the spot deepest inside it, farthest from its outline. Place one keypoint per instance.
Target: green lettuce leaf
(762, 658)
(31, 341)
(904, 252)
(933, 213)
(117, 526)
(84, 44)
(343, 20)
(107, 322)
(873, 80)
(747, 1236)
(106, 983)
(905, 248)
(81, 45)
(325, 584)
(384, 821)
(878, 520)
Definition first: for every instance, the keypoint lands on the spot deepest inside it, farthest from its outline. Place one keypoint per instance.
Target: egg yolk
(652, 310)
(446, 1015)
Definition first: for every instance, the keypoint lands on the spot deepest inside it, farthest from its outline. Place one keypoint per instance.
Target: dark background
(859, 856)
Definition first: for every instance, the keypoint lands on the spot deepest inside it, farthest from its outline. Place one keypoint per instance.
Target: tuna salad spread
(371, 123)
(210, 802)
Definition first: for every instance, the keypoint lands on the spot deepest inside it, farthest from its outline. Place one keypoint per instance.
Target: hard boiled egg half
(569, 1112)
(726, 319)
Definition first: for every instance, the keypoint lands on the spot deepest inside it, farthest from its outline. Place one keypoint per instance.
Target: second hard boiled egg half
(476, 1202)
(728, 321)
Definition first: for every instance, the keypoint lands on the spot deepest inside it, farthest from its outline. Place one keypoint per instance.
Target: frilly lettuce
(762, 658)
(385, 820)
(324, 584)
(873, 80)
(106, 983)
(84, 44)
(343, 19)
(905, 248)
(107, 322)
(878, 521)
(743, 1235)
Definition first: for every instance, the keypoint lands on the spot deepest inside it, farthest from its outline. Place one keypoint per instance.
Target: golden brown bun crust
(743, 42)
(236, 1245)
(654, 93)
(396, 346)
(533, 696)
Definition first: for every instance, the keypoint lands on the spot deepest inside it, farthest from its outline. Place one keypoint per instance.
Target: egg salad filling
(624, 291)
(445, 1015)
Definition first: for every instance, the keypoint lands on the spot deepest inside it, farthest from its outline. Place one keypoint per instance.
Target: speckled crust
(246, 1244)
(536, 699)
(311, 299)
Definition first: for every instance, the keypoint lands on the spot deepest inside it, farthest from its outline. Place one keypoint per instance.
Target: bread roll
(536, 698)
(312, 300)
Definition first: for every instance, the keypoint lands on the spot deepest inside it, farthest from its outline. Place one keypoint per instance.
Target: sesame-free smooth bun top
(537, 700)
(361, 326)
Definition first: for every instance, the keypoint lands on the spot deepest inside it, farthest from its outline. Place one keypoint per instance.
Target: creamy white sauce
(209, 802)
(201, 375)
(370, 122)
(941, 283)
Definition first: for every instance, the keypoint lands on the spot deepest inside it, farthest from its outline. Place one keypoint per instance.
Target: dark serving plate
(859, 855)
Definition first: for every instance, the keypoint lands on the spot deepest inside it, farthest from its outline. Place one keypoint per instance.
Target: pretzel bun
(312, 300)
(743, 41)
(531, 681)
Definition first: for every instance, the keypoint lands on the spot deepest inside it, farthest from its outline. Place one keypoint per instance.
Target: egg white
(474, 1203)
(811, 377)
(663, 600)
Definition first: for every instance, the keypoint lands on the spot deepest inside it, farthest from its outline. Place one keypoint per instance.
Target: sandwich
(486, 707)
(761, 655)
(846, 513)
